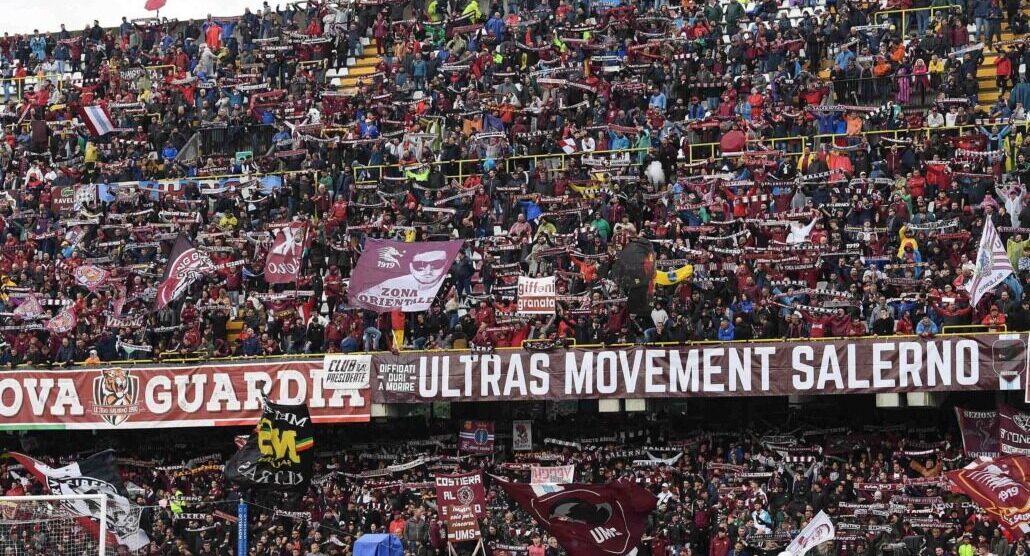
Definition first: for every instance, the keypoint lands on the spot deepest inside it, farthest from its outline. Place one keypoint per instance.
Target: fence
(949, 331)
(901, 18)
(791, 145)
(228, 140)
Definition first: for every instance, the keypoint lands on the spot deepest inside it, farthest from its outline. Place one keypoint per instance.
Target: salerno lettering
(764, 369)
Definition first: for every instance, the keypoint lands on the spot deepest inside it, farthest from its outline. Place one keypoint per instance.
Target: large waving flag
(673, 277)
(588, 520)
(999, 486)
(992, 264)
(186, 265)
(96, 474)
(818, 531)
(279, 454)
(97, 119)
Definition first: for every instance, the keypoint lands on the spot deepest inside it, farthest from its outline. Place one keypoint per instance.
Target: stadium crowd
(732, 492)
(831, 204)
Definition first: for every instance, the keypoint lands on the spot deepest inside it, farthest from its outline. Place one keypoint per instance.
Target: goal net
(54, 526)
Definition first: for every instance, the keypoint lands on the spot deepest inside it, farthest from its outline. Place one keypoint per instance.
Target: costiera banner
(223, 394)
(873, 365)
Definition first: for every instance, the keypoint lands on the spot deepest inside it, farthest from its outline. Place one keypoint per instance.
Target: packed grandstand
(367, 223)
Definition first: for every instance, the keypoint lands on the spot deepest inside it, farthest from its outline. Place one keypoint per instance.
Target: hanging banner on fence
(476, 437)
(554, 475)
(857, 366)
(536, 296)
(224, 394)
(347, 372)
(1013, 431)
(394, 275)
(979, 432)
(522, 436)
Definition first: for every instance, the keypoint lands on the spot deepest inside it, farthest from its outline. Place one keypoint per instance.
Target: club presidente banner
(225, 394)
(874, 365)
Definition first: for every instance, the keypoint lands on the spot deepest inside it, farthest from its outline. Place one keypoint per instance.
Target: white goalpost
(51, 524)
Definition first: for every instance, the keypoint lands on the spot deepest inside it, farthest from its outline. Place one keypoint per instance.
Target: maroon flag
(476, 437)
(186, 265)
(588, 520)
(29, 309)
(1013, 431)
(91, 277)
(979, 432)
(393, 275)
(999, 486)
(462, 489)
(461, 499)
(64, 322)
(283, 263)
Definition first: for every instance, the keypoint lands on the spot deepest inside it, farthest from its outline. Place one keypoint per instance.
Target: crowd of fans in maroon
(719, 493)
(895, 218)
(632, 90)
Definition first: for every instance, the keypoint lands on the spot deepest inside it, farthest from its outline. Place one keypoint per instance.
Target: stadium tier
(518, 278)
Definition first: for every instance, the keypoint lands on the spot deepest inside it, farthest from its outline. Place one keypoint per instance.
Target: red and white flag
(97, 119)
(283, 263)
(64, 322)
(568, 145)
(992, 264)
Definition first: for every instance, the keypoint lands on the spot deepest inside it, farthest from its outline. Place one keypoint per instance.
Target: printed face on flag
(394, 275)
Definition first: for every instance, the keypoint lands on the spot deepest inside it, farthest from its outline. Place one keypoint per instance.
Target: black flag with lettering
(634, 271)
(279, 454)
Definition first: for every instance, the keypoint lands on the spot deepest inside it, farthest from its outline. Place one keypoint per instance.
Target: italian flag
(97, 119)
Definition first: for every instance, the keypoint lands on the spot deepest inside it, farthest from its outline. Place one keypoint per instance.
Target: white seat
(343, 72)
(336, 82)
(365, 41)
(331, 73)
(351, 61)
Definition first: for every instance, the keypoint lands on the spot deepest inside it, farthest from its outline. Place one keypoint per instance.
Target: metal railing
(902, 16)
(509, 162)
(687, 344)
(792, 145)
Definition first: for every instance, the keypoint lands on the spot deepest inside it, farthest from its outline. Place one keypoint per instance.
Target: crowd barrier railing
(695, 152)
(902, 15)
(510, 163)
(194, 359)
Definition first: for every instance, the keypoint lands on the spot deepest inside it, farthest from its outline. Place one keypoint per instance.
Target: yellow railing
(695, 151)
(772, 142)
(974, 329)
(186, 360)
(15, 86)
(902, 15)
(476, 163)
